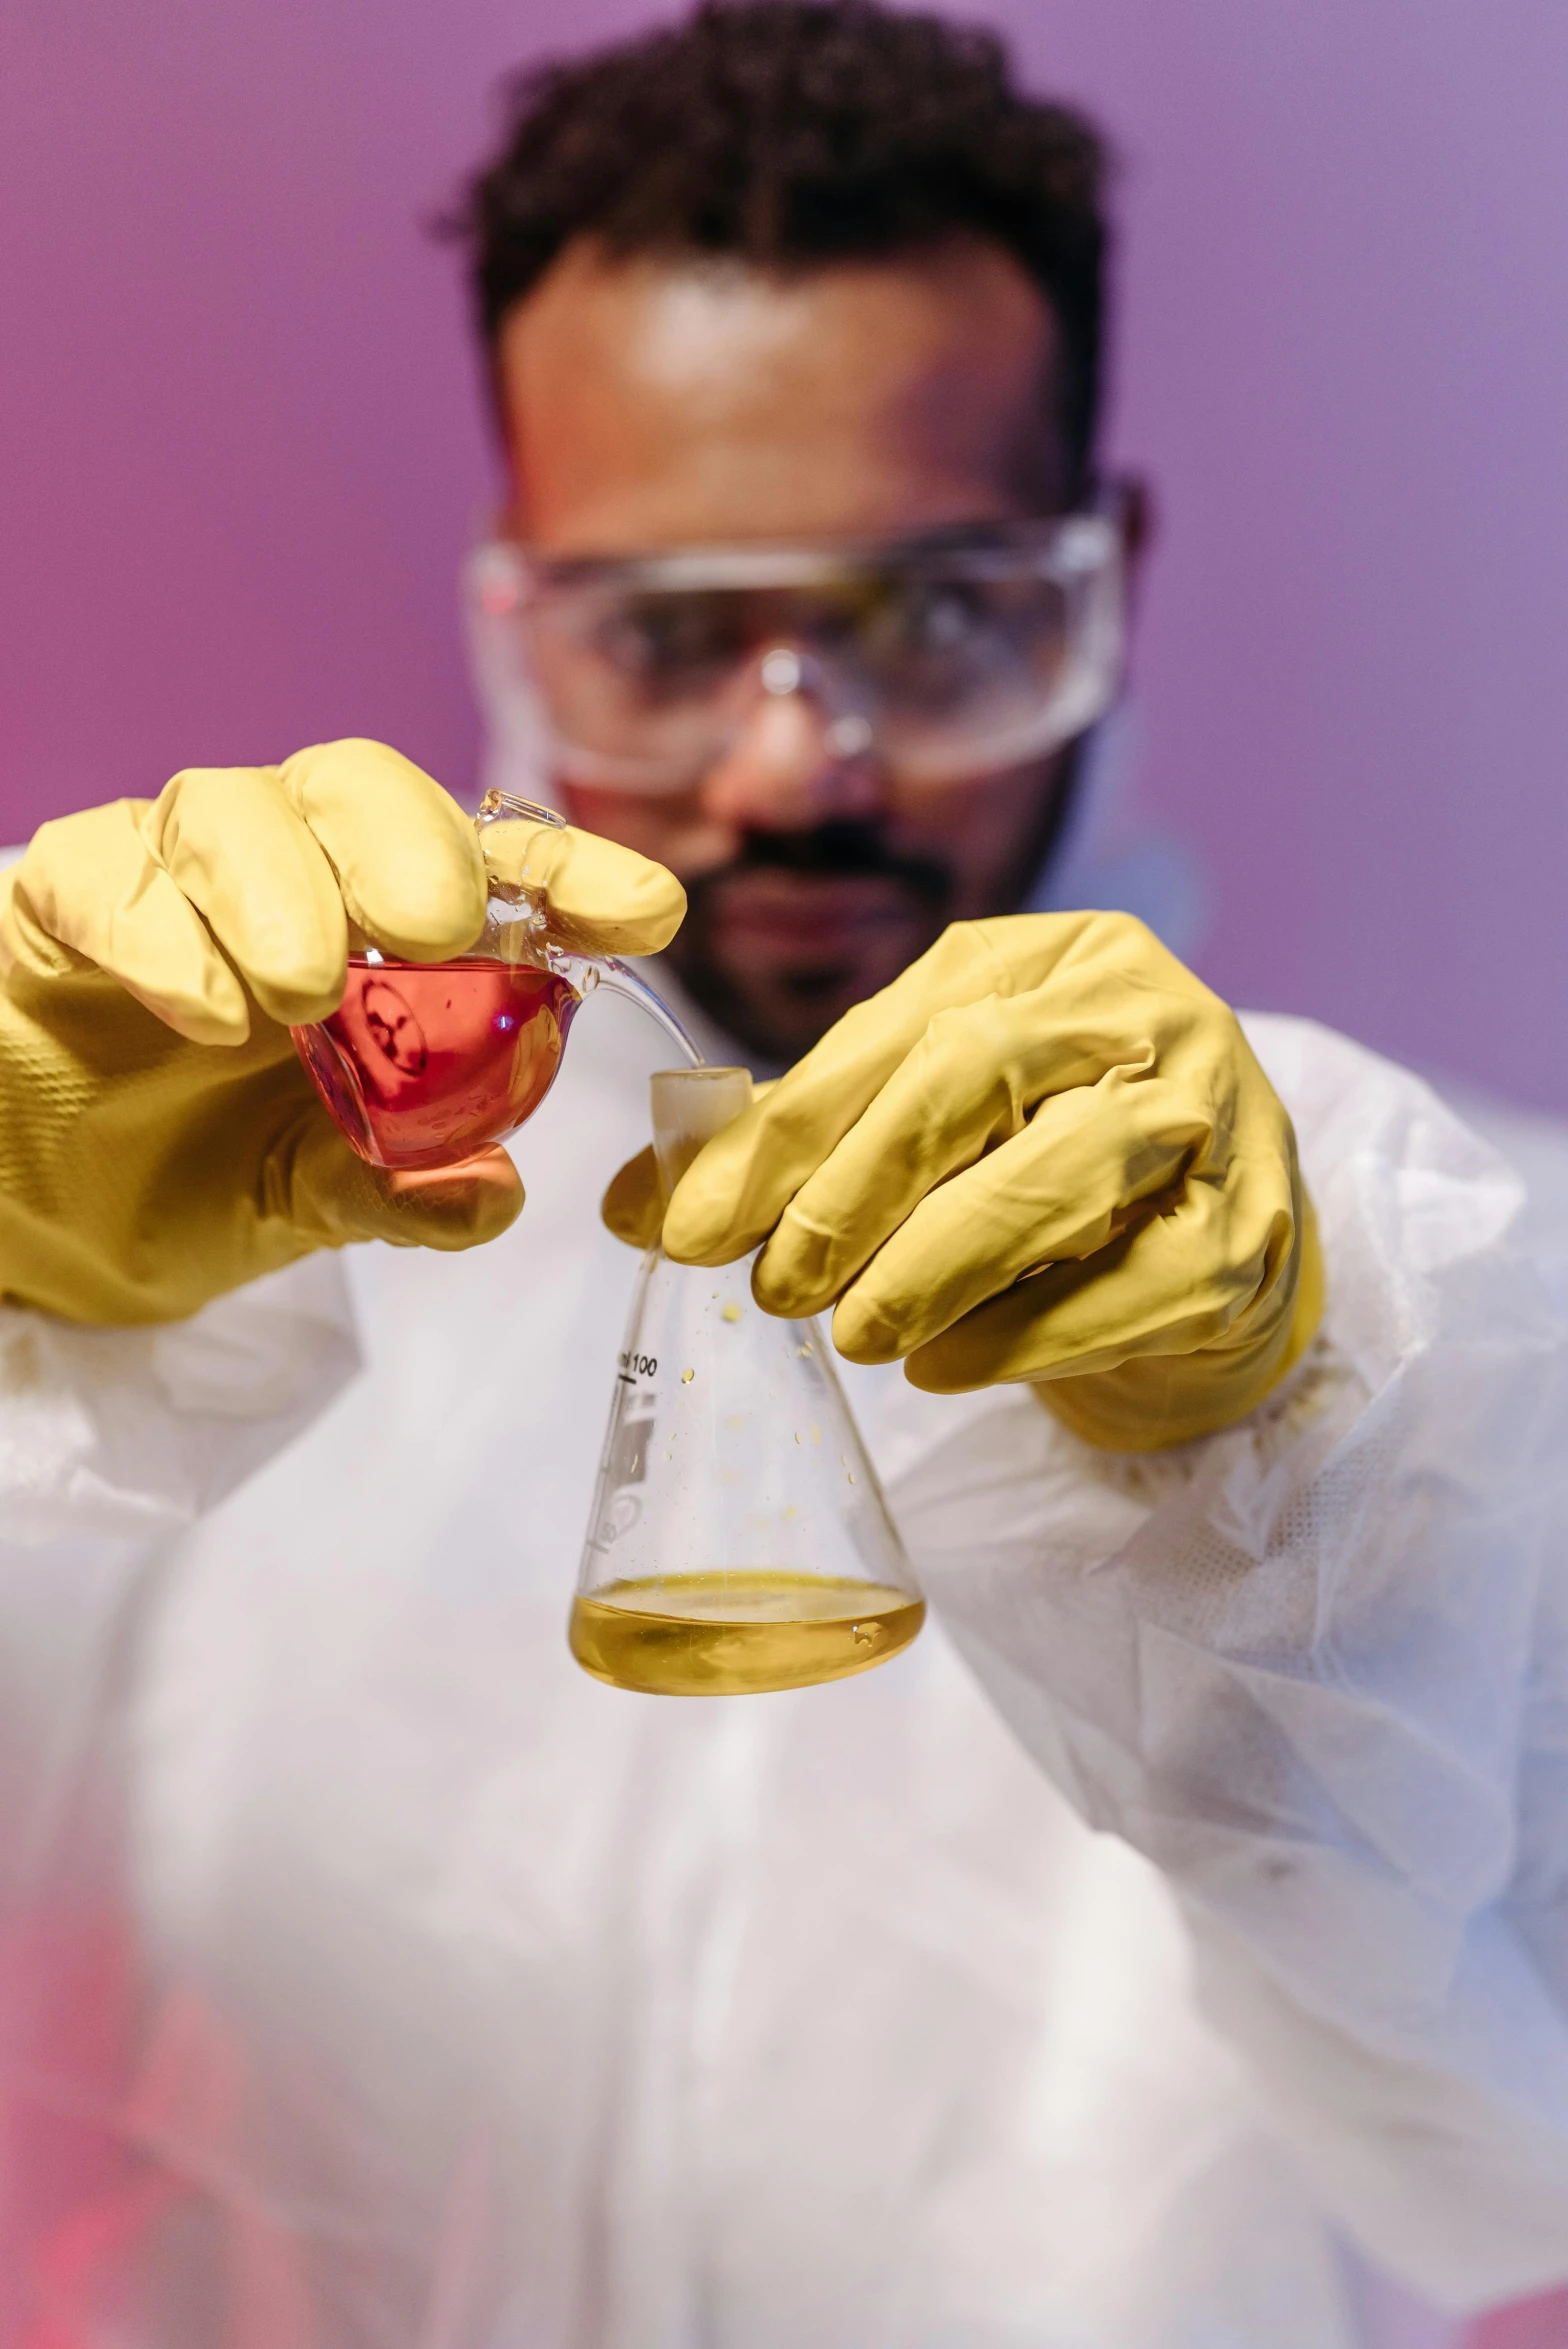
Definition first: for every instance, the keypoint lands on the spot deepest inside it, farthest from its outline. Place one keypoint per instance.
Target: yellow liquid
(738, 1634)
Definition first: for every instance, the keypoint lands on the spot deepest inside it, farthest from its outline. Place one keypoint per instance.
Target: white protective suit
(372, 1979)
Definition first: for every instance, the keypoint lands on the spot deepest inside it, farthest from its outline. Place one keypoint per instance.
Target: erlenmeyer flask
(739, 1540)
(423, 1063)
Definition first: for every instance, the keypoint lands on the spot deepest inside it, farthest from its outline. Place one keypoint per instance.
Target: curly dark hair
(792, 134)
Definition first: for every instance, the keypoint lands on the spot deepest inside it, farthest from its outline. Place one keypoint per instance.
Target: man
(374, 1977)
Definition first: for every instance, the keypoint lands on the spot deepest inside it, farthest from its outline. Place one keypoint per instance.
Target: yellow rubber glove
(1045, 1153)
(159, 1141)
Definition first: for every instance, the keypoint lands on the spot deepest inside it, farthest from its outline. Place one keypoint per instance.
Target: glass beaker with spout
(424, 1063)
(739, 1540)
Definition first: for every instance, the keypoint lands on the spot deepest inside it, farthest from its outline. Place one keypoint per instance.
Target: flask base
(739, 1634)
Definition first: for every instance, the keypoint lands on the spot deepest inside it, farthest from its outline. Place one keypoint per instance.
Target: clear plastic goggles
(939, 658)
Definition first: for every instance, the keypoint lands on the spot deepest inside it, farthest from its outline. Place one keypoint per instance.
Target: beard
(800, 926)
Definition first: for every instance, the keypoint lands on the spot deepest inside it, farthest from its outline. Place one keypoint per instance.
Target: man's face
(652, 405)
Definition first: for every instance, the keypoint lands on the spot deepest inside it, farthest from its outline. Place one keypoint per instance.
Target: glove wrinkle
(231, 844)
(89, 883)
(1134, 1408)
(1059, 1190)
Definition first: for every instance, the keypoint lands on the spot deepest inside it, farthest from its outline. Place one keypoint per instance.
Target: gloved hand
(1045, 1153)
(159, 1141)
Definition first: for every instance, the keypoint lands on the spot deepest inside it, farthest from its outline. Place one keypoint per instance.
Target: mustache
(839, 850)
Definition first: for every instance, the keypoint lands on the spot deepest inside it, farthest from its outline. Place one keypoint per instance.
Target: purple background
(243, 446)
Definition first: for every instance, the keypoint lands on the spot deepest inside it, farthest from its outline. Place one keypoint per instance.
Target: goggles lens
(939, 662)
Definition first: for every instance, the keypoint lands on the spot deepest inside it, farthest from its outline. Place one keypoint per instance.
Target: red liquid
(424, 1063)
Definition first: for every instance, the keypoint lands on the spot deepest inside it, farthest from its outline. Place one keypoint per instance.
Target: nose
(790, 765)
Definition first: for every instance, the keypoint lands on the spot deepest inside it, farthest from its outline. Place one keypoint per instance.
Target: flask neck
(690, 1106)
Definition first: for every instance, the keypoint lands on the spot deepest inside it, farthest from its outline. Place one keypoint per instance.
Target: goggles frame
(511, 589)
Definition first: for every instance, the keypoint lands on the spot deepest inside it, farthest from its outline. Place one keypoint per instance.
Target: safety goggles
(939, 658)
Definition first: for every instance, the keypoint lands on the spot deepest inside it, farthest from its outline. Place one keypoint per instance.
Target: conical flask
(739, 1540)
